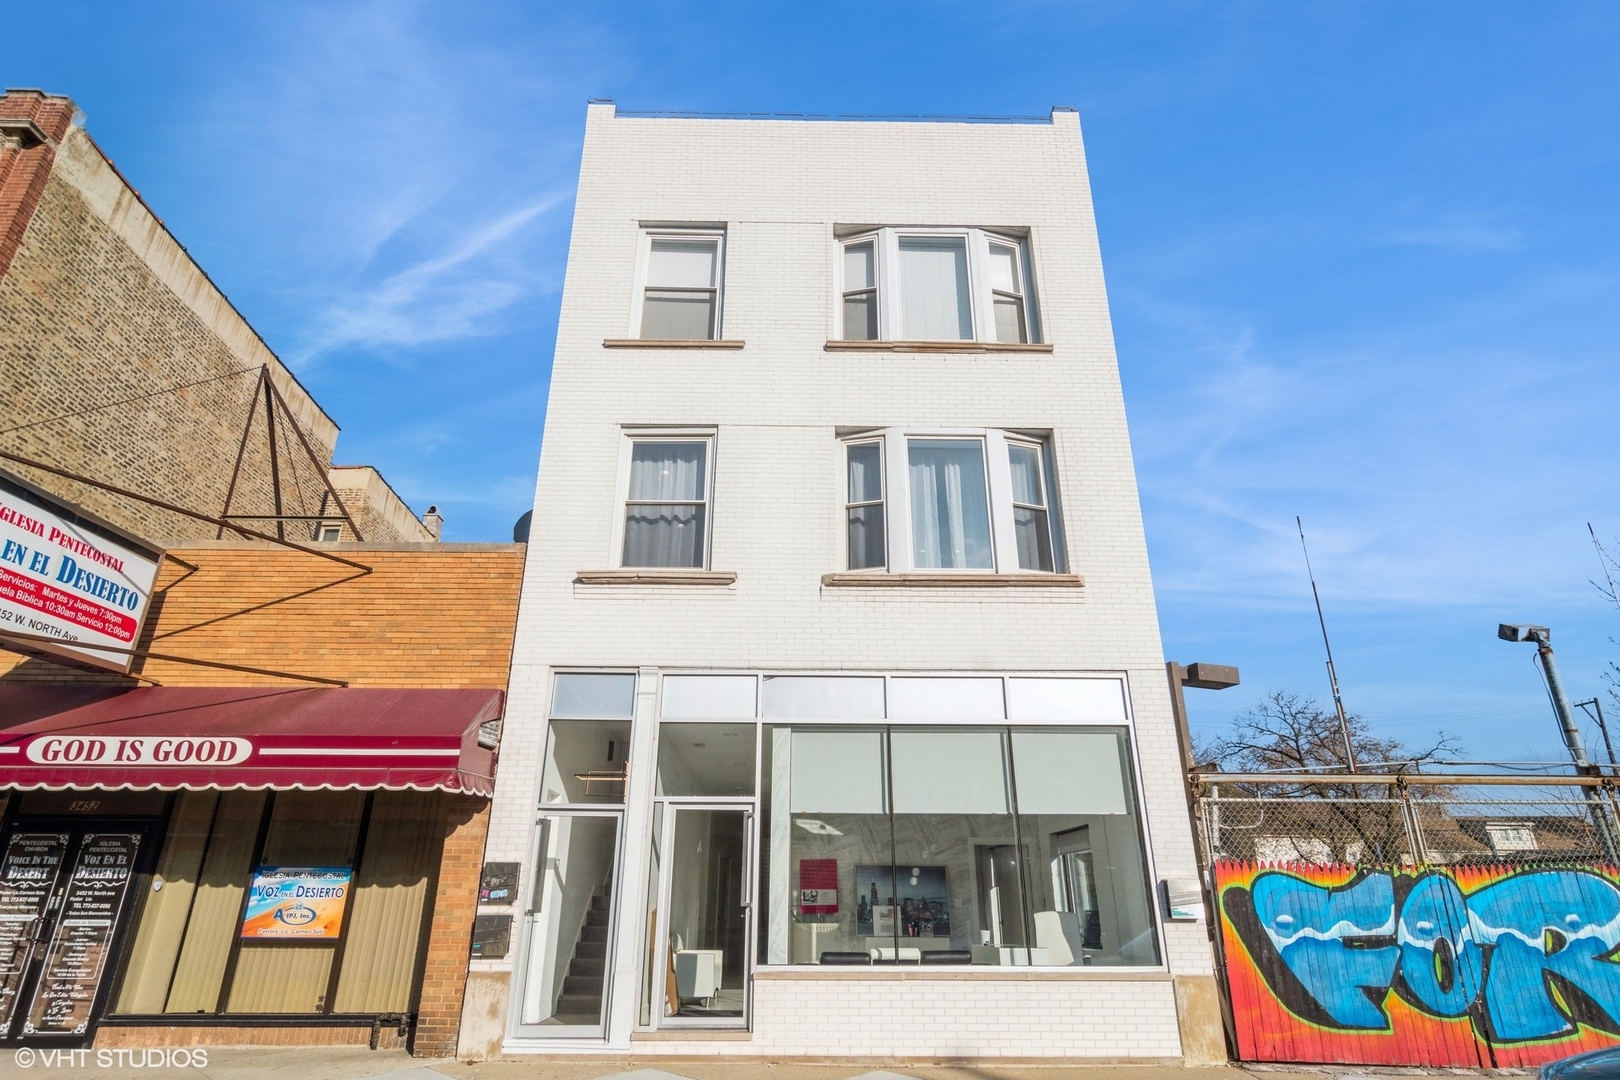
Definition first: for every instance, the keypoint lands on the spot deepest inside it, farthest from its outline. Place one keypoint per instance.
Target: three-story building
(838, 722)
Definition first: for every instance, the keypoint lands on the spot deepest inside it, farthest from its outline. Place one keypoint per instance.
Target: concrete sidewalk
(344, 1063)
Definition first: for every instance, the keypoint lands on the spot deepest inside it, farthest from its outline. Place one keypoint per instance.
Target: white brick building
(838, 615)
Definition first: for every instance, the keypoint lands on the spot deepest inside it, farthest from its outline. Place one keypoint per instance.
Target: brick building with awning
(250, 705)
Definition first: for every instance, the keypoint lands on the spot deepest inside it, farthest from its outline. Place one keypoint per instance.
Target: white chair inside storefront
(697, 971)
(1058, 932)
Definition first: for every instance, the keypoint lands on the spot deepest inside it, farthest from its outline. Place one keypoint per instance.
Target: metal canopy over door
(65, 898)
(705, 941)
(569, 925)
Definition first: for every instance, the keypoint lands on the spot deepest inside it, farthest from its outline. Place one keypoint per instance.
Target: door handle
(748, 859)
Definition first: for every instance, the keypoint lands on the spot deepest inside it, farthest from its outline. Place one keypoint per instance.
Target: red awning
(172, 737)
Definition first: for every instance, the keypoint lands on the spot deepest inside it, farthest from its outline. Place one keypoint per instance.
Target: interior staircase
(581, 999)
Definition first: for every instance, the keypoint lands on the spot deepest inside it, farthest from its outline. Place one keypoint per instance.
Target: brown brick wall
(25, 162)
(427, 615)
(455, 904)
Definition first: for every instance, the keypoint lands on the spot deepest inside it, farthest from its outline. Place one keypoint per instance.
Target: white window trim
(896, 482)
(981, 296)
(883, 498)
(644, 252)
(627, 443)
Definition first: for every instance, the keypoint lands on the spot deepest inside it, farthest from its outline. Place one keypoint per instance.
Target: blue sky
(1362, 260)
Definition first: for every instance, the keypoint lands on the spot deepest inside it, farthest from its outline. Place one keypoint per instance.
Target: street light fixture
(1542, 639)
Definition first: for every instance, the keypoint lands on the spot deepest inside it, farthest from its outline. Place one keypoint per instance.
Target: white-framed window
(678, 288)
(666, 480)
(932, 284)
(326, 532)
(863, 509)
(978, 500)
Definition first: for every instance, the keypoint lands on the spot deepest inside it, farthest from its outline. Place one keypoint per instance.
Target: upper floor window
(972, 501)
(666, 504)
(936, 285)
(678, 287)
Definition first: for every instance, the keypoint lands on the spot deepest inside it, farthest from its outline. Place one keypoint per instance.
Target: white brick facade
(780, 189)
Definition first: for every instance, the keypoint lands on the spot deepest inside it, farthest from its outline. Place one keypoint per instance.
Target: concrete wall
(782, 189)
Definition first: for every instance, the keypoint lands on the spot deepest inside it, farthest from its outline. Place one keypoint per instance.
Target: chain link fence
(1451, 824)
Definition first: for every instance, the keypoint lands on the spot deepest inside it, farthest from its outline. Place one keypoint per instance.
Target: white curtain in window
(949, 772)
(837, 772)
(934, 289)
(681, 264)
(664, 521)
(1069, 772)
(950, 512)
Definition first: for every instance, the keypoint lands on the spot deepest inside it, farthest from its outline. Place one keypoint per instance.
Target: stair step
(596, 918)
(592, 965)
(579, 1003)
(589, 933)
(591, 950)
(582, 985)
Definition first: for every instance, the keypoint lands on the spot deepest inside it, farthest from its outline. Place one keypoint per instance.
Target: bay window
(929, 284)
(971, 501)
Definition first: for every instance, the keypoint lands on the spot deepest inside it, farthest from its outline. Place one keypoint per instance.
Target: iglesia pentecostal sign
(68, 582)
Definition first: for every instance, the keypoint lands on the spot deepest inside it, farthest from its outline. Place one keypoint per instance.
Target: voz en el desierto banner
(74, 583)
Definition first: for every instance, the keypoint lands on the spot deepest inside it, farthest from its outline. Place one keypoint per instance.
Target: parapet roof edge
(900, 118)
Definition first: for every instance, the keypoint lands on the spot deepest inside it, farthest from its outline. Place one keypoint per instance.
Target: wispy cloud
(1462, 233)
(455, 293)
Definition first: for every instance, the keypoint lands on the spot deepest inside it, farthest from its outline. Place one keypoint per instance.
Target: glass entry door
(706, 889)
(569, 936)
(65, 895)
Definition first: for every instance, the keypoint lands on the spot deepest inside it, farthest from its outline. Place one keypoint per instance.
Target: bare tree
(1287, 733)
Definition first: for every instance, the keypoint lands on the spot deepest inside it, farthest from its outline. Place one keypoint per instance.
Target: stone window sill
(671, 343)
(935, 347)
(655, 576)
(954, 580)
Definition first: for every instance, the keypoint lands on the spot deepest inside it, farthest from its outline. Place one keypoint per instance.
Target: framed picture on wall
(908, 901)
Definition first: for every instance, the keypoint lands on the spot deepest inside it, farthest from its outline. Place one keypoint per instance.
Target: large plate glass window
(679, 293)
(936, 284)
(963, 845)
(666, 506)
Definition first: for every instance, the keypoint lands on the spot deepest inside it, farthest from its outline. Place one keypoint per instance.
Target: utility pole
(1542, 637)
(1333, 675)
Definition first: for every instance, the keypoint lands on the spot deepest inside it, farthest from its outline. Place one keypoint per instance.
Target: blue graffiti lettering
(1441, 962)
(1565, 922)
(1314, 930)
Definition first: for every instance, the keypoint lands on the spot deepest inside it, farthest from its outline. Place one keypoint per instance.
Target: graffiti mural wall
(1449, 966)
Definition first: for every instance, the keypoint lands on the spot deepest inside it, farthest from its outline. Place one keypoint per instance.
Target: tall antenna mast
(1333, 676)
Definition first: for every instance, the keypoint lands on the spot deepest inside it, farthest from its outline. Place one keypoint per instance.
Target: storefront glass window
(1088, 899)
(706, 759)
(586, 761)
(592, 696)
(985, 846)
(828, 823)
